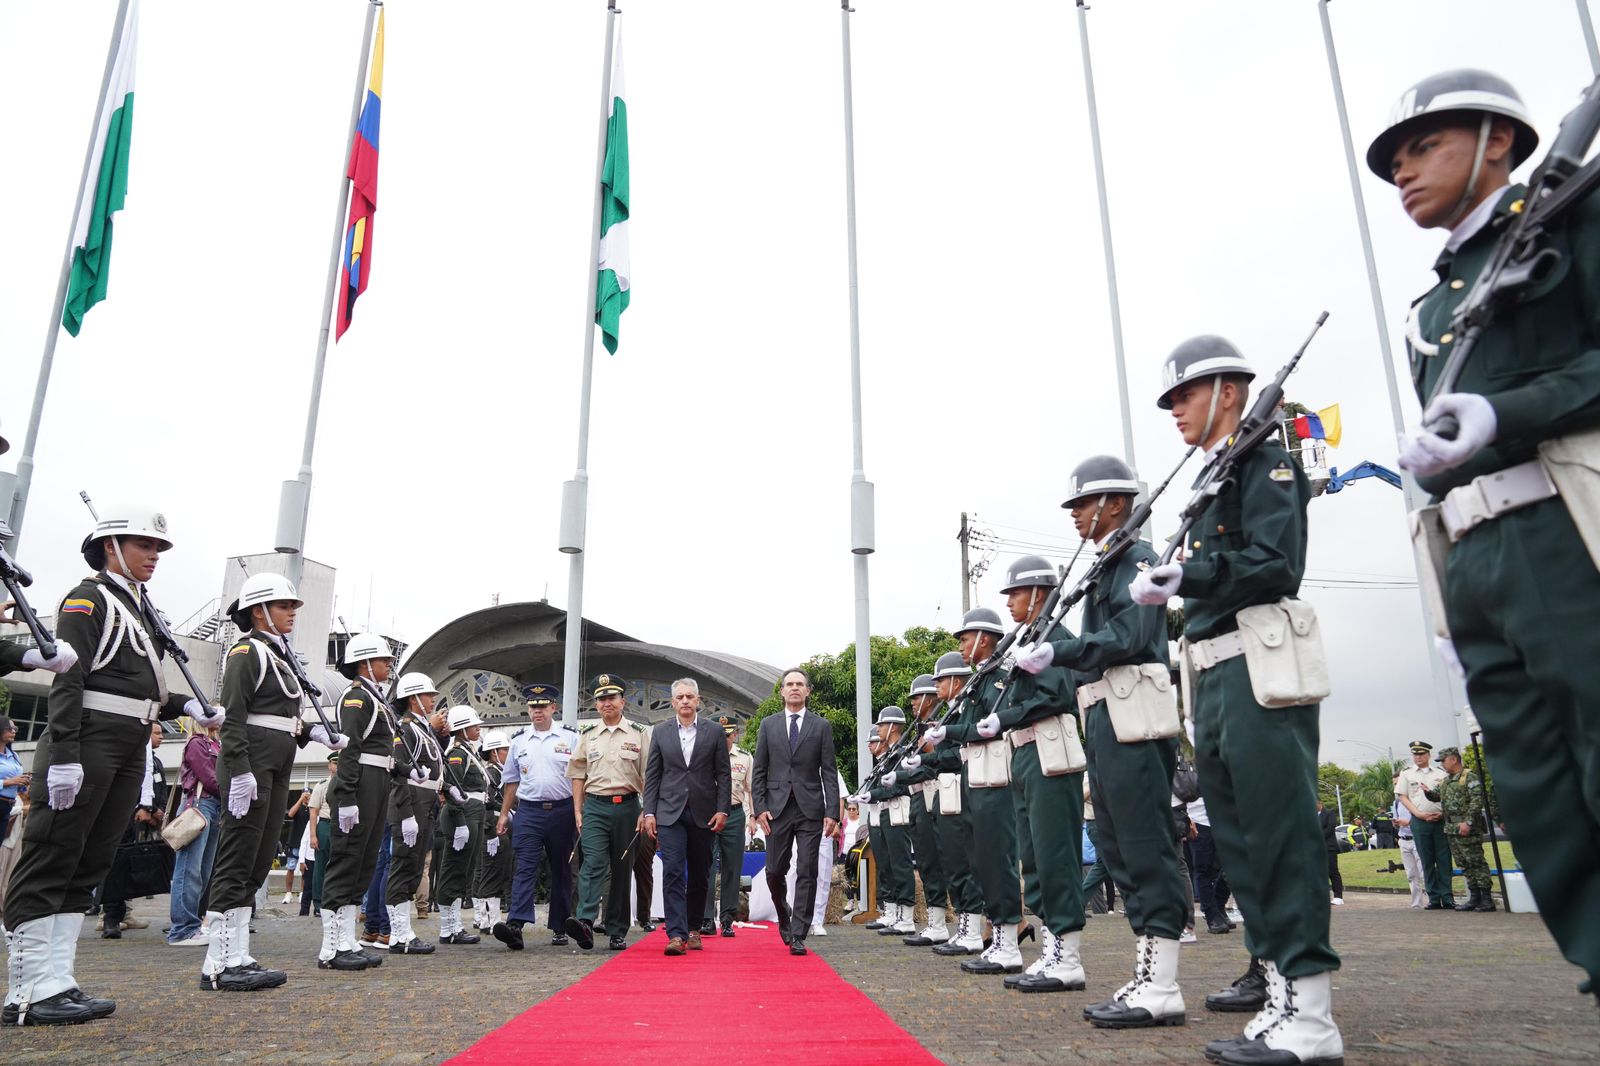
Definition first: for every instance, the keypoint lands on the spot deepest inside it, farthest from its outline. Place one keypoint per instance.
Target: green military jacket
(1461, 796)
(256, 679)
(495, 789)
(1539, 366)
(1116, 631)
(1031, 697)
(11, 657)
(1249, 545)
(407, 799)
(369, 722)
(465, 771)
(962, 725)
(83, 621)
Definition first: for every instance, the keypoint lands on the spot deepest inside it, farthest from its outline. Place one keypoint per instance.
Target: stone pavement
(1416, 987)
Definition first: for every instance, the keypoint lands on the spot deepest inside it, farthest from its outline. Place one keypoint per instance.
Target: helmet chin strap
(1464, 204)
(1211, 412)
(138, 588)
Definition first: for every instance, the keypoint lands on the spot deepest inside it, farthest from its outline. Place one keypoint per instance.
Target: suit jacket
(808, 773)
(703, 787)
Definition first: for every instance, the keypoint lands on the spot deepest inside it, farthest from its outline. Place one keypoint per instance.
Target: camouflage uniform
(1461, 796)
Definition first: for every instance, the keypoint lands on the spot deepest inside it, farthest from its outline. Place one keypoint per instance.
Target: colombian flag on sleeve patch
(77, 607)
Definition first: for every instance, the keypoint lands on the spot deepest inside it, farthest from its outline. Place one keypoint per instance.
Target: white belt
(127, 706)
(431, 785)
(274, 721)
(1205, 654)
(1021, 736)
(385, 761)
(1489, 496)
(1093, 693)
(481, 797)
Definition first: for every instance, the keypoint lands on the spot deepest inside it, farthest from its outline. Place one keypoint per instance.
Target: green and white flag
(612, 290)
(107, 183)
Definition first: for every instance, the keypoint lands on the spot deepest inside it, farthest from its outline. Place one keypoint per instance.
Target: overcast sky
(720, 453)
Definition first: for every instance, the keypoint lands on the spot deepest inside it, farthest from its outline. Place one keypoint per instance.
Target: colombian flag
(1324, 425)
(363, 174)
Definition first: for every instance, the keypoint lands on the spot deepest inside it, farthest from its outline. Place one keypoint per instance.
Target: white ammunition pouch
(989, 764)
(1430, 544)
(1283, 651)
(949, 794)
(1573, 463)
(1139, 700)
(899, 810)
(872, 814)
(1057, 742)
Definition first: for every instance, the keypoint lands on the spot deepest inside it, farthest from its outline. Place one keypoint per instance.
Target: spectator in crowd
(1408, 852)
(1329, 820)
(1097, 874)
(191, 869)
(13, 778)
(320, 834)
(11, 845)
(296, 816)
(149, 814)
(1183, 832)
(1383, 830)
(1211, 887)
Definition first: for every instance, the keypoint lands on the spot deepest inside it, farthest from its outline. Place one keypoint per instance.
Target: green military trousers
(493, 879)
(729, 851)
(1258, 775)
(1131, 786)
(246, 846)
(930, 860)
(1521, 594)
(956, 857)
(901, 885)
(353, 856)
(405, 860)
(1433, 851)
(994, 851)
(1049, 818)
(460, 867)
(608, 837)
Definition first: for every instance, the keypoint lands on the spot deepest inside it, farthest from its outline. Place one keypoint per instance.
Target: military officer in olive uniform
(896, 876)
(954, 820)
(1415, 792)
(607, 773)
(1460, 795)
(922, 779)
(260, 736)
(1519, 584)
(494, 865)
(1129, 779)
(411, 802)
(460, 823)
(730, 839)
(90, 766)
(359, 796)
(1038, 717)
(1257, 765)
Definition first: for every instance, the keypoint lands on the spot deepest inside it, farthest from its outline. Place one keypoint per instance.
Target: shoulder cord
(424, 732)
(270, 662)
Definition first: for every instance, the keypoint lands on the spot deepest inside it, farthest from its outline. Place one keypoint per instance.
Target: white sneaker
(819, 930)
(1188, 937)
(1234, 915)
(1338, 901)
(290, 897)
(200, 939)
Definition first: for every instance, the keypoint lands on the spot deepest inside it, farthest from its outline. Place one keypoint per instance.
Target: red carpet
(741, 1000)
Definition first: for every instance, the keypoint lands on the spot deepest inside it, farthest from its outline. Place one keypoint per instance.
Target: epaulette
(637, 728)
(586, 727)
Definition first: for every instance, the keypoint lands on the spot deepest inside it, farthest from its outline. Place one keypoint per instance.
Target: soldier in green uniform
(359, 795)
(89, 766)
(730, 839)
(411, 801)
(494, 865)
(1519, 585)
(872, 813)
(954, 821)
(1258, 765)
(1461, 796)
(460, 823)
(923, 781)
(1047, 764)
(897, 885)
(1125, 644)
(607, 774)
(260, 735)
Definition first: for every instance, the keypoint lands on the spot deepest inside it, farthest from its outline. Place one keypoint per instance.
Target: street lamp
(1375, 747)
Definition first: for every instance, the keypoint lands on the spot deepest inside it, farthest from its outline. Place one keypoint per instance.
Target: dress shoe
(581, 931)
(344, 960)
(98, 1008)
(727, 928)
(559, 940)
(414, 946)
(1248, 994)
(788, 937)
(616, 943)
(236, 979)
(509, 935)
(647, 924)
(797, 947)
(1218, 925)
(676, 946)
(1435, 905)
(460, 936)
(59, 1009)
(695, 943)
(708, 927)
(114, 933)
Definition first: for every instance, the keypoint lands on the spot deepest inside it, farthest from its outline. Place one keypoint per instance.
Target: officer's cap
(1418, 746)
(1445, 753)
(729, 727)
(609, 685)
(541, 695)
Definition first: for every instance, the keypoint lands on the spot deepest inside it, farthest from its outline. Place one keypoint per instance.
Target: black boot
(1471, 902)
(59, 1009)
(1485, 900)
(1248, 993)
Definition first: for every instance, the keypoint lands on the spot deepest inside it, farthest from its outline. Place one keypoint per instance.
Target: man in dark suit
(795, 788)
(687, 791)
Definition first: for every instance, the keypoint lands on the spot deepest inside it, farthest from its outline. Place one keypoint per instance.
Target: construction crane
(1365, 468)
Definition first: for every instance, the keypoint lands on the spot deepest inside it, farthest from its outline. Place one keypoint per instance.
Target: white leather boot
(1047, 944)
(1002, 955)
(1303, 1033)
(906, 925)
(1154, 998)
(935, 932)
(1063, 965)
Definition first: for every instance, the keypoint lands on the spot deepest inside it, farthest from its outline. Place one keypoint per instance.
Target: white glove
(408, 831)
(1447, 652)
(911, 762)
(459, 841)
(1425, 453)
(1155, 587)
(334, 742)
(1034, 659)
(206, 716)
(492, 846)
(456, 794)
(888, 780)
(64, 782)
(418, 774)
(934, 735)
(241, 793)
(990, 726)
(349, 818)
(65, 659)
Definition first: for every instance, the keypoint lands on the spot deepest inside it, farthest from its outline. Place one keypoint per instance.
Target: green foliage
(1365, 792)
(1175, 623)
(5, 699)
(895, 664)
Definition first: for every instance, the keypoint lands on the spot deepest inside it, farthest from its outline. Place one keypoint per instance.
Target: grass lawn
(1360, 868)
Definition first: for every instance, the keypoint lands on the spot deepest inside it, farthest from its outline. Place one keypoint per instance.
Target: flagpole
(1105, 236)
(575, 493)
(24, 474)
(861, 491)
(1588, 36)
(1447, 695)
(294, 499)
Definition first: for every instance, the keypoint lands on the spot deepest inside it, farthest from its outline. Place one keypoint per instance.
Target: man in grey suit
(687, 792)
(794, 786)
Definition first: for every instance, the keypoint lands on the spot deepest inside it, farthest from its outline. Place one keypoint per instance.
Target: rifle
(1523, 259)
(297, 668)
(16, 579)
(1257, 424)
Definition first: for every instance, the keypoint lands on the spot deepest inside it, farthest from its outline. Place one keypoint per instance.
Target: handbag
(1186, 782)
(141, 868)
(179, 832)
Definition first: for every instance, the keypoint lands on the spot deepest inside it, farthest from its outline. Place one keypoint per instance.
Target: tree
(1374, 787)
(1335, 787)
(895, 664)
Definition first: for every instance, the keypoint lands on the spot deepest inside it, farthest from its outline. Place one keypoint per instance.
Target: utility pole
(966, 569)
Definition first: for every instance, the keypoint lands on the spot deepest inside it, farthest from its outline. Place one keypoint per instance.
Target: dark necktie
(794, 732)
